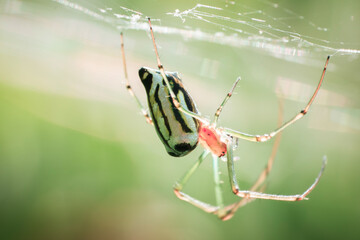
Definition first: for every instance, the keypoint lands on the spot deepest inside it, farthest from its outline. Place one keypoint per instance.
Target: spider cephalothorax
(212, 140)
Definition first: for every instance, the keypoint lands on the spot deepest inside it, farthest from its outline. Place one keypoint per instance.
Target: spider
(180, 127)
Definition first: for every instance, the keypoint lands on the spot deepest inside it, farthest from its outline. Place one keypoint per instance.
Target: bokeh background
(78, 161)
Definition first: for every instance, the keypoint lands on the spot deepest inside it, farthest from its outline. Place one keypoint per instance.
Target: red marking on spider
(210, 139)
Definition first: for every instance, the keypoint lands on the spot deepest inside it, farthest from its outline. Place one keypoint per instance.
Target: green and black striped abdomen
(177, 131)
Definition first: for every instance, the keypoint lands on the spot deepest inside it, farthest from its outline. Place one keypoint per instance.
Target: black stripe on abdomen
(157, 100)
(180, 120)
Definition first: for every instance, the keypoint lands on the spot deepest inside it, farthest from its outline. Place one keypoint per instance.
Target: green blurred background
(78, 161)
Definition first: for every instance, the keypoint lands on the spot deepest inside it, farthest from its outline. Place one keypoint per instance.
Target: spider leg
(258, 185)
(179, 185)
(251, 194)
(174, 98)
(128, 86)
(218, 111)
(218, 193)
(266, 137)
(219, 208)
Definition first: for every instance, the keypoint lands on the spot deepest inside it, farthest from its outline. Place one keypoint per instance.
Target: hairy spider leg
(266, 137)
(172, 94)
(128, 86)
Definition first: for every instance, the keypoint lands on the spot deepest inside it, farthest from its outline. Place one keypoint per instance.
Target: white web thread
(245, 27)
(262, 28)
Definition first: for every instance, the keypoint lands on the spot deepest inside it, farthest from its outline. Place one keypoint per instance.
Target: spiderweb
(280, 30)
(229, 23)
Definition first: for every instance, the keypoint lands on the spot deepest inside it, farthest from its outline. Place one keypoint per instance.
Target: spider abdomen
(177, 131)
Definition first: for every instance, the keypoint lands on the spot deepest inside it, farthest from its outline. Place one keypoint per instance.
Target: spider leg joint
(263, 138)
